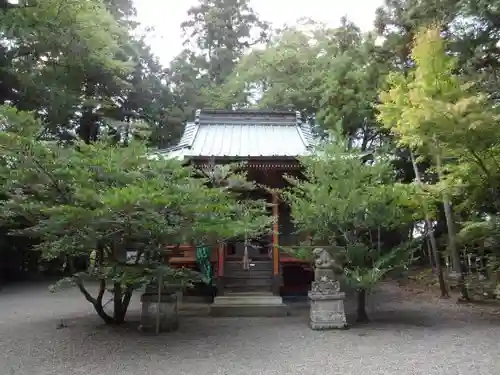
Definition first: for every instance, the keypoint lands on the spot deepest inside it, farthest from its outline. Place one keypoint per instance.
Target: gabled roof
(243, 134)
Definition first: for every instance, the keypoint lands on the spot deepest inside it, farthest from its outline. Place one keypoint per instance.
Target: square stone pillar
(166, 307)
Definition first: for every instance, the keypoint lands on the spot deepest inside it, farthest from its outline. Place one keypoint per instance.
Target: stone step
(249, 304)
(250, 274)
(246, 288)
(248, 299)
(248, 283)
(249, 310)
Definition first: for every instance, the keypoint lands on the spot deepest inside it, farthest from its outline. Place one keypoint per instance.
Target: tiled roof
(244, 133)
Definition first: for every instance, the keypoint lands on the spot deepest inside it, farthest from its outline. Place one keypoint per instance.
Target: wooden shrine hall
(269, 142)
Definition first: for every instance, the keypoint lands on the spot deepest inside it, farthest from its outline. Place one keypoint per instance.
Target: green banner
(203, 261)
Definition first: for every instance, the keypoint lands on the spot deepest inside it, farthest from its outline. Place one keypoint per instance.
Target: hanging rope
(246, 259)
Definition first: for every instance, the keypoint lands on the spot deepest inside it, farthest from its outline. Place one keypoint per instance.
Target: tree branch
(79, 282)
(85, 292)
(51, 178)
(126, 298)
(479, 162)
(102, 282)
(102, 290)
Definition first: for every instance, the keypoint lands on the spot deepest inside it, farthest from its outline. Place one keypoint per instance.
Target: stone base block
(327, 311)
(248, 305)
(166, 307)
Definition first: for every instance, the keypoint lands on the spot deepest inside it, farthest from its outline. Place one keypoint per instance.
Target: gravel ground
(411, 337)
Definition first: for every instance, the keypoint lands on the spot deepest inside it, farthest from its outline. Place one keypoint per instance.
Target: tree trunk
(96, 302)
(88, 129)
(430, 254)
(432, 238)
(458, 265)
(121, 301)
(118, 313)
(362, 315)
(126, 301)
(99, 308)
(450, 224)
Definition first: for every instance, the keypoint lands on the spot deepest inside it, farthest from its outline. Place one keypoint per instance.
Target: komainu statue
(324, 265)
(326, 299)
(323, 259)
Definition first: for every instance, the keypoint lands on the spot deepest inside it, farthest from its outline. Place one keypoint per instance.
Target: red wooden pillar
(220, 260)
(221, 254)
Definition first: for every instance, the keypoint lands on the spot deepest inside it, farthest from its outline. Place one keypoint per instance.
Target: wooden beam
(276, 255)
(271, 163)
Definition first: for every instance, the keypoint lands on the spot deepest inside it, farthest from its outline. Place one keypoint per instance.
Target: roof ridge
(248, 117)
(246, 123)
(245, 111)
(301, 135)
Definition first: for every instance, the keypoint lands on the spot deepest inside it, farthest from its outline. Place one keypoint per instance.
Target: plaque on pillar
(326, 299)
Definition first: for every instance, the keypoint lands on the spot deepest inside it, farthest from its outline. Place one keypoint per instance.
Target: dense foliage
(117, 206)
(421, 87)
(344, 202)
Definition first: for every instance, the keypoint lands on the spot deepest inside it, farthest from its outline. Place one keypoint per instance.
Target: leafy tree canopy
(114, 200)
(342, 203)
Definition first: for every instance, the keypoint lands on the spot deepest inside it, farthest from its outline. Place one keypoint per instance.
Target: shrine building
(268, 142)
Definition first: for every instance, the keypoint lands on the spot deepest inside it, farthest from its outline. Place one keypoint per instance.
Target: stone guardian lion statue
(324, 264)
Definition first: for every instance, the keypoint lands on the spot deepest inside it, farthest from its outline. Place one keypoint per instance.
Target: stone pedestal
(326, 302)
(167, 307)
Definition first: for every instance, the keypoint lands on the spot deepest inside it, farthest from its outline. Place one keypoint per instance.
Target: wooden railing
(186, 254)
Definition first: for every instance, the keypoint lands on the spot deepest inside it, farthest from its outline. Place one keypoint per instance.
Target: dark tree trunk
(442, 283)
(99, 308)
(96, 302)
(121, 302)
(362, 315)
(462, 284)
(118, 313)
(89, 127)
(437, 261)
(429, 254)
(89, 122)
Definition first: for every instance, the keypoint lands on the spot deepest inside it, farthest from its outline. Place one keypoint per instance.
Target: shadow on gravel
(426, 317)
(392, 318)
